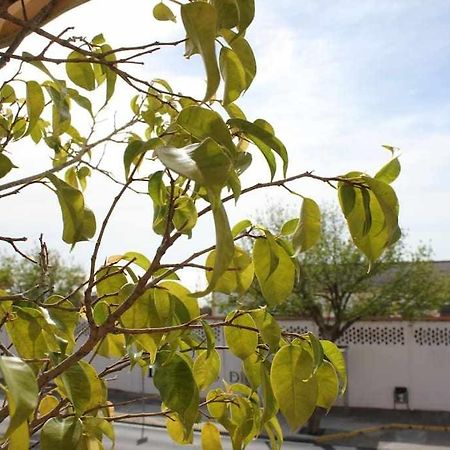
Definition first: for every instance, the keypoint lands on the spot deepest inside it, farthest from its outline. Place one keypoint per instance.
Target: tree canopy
(45, 273)
(189, 157)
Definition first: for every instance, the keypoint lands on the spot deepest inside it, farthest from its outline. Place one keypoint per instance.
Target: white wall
(380, 356)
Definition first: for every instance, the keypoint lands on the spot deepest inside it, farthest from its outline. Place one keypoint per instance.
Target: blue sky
(336, 79)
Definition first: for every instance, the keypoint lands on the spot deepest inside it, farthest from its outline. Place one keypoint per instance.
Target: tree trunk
(313, 426)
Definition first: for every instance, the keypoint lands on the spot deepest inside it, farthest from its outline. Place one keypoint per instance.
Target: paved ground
(127, 436)
(350, 421)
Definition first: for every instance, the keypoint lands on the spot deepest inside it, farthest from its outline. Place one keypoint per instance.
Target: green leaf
(35, 103)
(200, 22)
(7, 94)
(111, 76)
(112, 346)
(182, 293)
(238, 277)
(373, 217)
(289, 227)
(243, 417)
(163, 12)
(138, 258)
(134, 151)
(5, 165)
(240, 227)
(246, 13)
(268, 327)
(80, 100)
(79, 221)
(82, 386)
(308, 229)
(275, 433)
(206, 368)
(101, 312)
(270, 403)
(21, 391)
(347, 198)
(19, 438)
(157, 189)
(184, 214)
(205, 162)
(241, 341)
(176, 430)
(61, 433)
(96, 426)
(110, 280)
(31, 334)
(245, 54)
(388, 202)
(80, 73)
(224, 245)
(389, 172)
(233, 74)
(204, 123)
(210, 437)
(252, 370)
(176, 384)
(216, 405)
(316, 349)
(328, 384)
(335, 356)
(274, 270)
(61, 117)
(234, 112)
(293, 386)
(259, 132)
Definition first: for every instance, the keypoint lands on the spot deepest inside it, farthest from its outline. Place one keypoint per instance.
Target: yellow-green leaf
(241, 341)
(35, 103)
(308, 229)
(246, 13)
(202, 123)
(61, 433)
(328, 385)
(80, 73)
(5, 165)
(260, 133)
(175, 382)
(389, 172)
(268, 327)
(206, 368)
(274, 269)
(163, 12)
(239, 275)
(335, 356)
(210, 437)
(79, 221)
(294, 386)
(205, 162)
(21, 391)
(233, 74)
(176, 430)
(245, 54)
(200, 22)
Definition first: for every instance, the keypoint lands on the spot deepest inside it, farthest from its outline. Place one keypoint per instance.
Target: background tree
(335, 289)
(187, 156)
(46, 274)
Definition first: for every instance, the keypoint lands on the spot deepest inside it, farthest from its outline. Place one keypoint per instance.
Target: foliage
(192, 155)
(336, 290)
